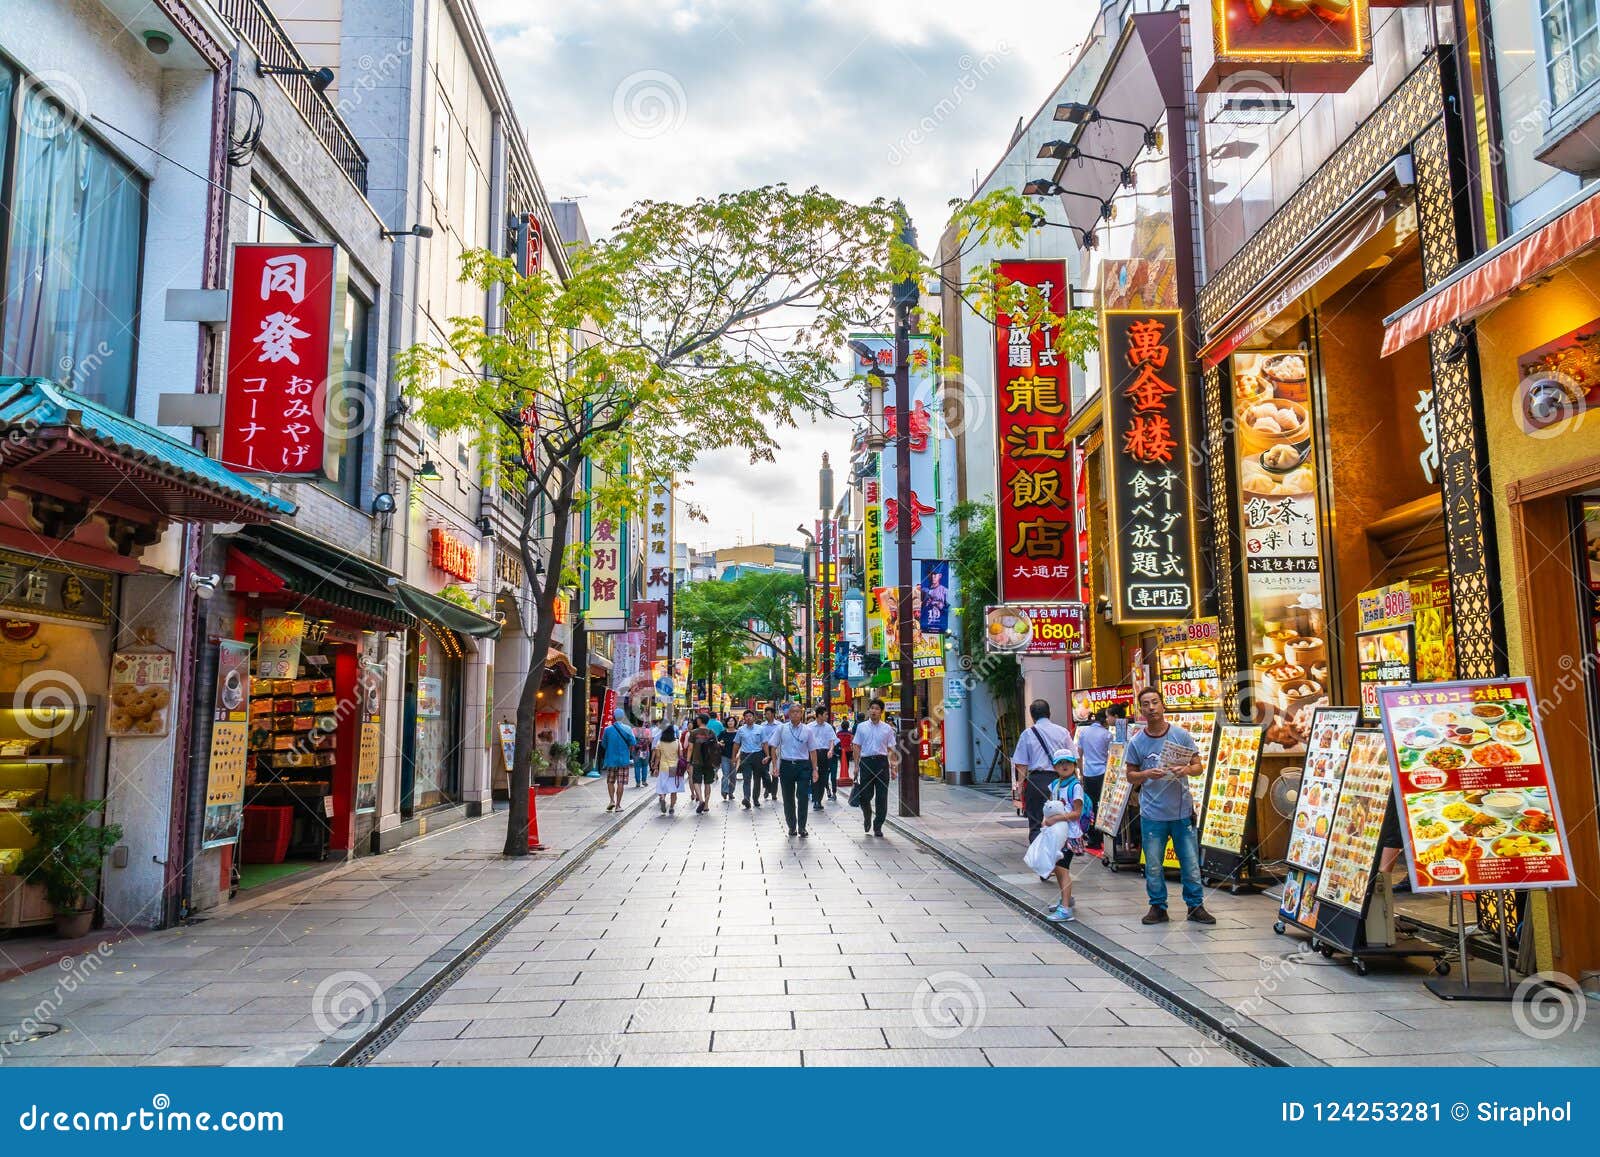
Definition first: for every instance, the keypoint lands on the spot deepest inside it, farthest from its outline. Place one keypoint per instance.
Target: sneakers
(1155, 916)
(1053, 908)
(662, 801)
(1199, 915)
(1060, 915)
(747, 805)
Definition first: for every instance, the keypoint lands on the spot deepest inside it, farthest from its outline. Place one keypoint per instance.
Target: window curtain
(72, 269)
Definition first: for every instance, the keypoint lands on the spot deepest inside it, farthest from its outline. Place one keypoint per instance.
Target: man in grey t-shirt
(1166, 807)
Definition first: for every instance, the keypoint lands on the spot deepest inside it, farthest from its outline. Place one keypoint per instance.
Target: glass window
(349, 407)
(1523, 110)
(74, 226)
(267, 220)
(1571, 47)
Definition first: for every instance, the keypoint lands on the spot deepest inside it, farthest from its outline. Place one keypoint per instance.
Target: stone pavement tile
(1206, 1057)
(1415, 1043)
(769, 987)
(837, 1038)
(187, 1056)
(797, 1003)
(736, 973)
(491, 1049)
(608, 1045)
(573, 1020)
(1076, 1057)
(1324, 1001)
(432, 1029)
(1439, 1060)
(528, 988)
(860, 1018)
(979, 1036)
(913, 998)
(765, 1059)
(1072, 1016)
(1350, 1024)
(1093, 1035)
(648, 1019)
(896, 1058)
(1325, 1046)
(475, 1012)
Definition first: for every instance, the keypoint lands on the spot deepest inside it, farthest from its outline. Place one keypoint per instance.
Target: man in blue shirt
(1094, 743)
(1166, 807)
(616, 758)
(750, 747)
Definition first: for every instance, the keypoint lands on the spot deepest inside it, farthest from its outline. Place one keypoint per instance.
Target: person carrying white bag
(1061, 836)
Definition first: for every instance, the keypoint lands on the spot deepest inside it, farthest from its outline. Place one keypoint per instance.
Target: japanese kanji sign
(658, 545)
(282, 347)
(1036, 491)
(1148, 446)
(921, 508)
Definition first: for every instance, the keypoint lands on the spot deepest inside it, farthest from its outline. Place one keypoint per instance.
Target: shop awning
(315, 576)
(1480, 284)
(126, 466)
(557, 663)
(443, 612)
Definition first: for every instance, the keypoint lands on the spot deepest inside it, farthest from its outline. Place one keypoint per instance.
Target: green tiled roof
(35, 403)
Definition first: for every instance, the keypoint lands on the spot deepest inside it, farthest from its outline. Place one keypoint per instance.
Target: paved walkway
(718, 940)
(1318, 1005)
(267, 981)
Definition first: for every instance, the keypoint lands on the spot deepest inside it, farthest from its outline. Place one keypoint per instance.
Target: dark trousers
(1035, 790)
(1092, 785)
(794, 776)
(827, 769)
(873, 774)
(753, 766)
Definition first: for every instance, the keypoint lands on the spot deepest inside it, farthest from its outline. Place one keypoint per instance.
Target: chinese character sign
(919, 509)
(603, 590)
(1148, 445)
(281, 350)
(1036, 492)
(658, 543)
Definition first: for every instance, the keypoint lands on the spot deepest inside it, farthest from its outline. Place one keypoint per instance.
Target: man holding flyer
(1160, 761)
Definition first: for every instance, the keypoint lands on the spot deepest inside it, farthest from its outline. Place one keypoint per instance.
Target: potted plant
(559, 754)
(67, 857)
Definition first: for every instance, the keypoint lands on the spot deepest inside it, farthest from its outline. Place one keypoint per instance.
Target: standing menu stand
(1327, 753)
(1228, 850)
(1115, 818)
(1478, 805)
(1345, 892)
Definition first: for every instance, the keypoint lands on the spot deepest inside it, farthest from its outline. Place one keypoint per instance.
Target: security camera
(204, 585)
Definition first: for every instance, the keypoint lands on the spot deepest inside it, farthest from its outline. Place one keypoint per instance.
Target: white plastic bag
(1045, 850)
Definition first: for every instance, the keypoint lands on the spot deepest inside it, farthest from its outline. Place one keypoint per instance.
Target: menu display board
(1187, 665)
(1299, 901)
(1352, 850)
(1233, 781)
(1434, 627)
(1332, 730)
(1287, 626)
(1148, 449)
(1384, 658)
(1477, 804)
(230, 747)
(1114, 791)
(1037, 628)
(1202, 727)
(1087, 700)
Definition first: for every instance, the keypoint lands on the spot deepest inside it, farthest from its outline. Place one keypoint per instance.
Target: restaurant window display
(433, 773)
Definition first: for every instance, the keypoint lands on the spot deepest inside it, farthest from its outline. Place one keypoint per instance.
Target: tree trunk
(527, 701)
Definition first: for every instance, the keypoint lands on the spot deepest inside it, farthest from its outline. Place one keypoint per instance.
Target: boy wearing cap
(1067, 788)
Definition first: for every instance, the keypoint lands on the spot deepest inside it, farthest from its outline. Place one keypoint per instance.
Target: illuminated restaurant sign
(282, 349)
(1148, 448)
(452, 554)
(1309, 45)
(1036, 494)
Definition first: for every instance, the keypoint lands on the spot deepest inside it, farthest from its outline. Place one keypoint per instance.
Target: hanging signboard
(1187, 665)
(1477, 802)
(1148, 449)
(603, 605)
(658, 548)
(933, 608)
(1301, 46)
(1233, 782)
(1286, 624)
(230, 746)
(1351, 855)
(1087, 700)
(1037, 629)
(921, 508)
(1035, 495)
(283, 347)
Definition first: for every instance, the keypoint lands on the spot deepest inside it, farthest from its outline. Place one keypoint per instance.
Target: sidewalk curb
(1217, 1019)
(419, 987)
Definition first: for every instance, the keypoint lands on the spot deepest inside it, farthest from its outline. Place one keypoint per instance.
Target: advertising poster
(1037, 628)
(933, 615)
(369, 741)
(1384, 658)
(1148, 448)
(1087, 700)
(920, 508)
(230, 747)
(1332, 730)
(1433, 626)
(1233, 781)
(1299, 902)
(278, 646)
(1287, 625)
(1352, 851)
(1035, 535)
(1187, 666)
(141, 693)
(1477, 804)
(1114, 791)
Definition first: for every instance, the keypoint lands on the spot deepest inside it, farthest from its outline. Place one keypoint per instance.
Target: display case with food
(1327, 749)
(1232, 788)
(1477, 803)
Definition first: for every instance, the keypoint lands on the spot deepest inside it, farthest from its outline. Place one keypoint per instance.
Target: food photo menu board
(1327, 749)
(1233, 781)
(1477, 805)
(1202, 728)
(1352, 851)
(1114, 791)
(1384, 658)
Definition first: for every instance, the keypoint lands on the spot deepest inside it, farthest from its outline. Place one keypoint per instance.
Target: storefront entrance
(431, 776)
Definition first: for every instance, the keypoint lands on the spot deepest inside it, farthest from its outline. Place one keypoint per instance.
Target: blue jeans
(641, 770)
(1186, 844)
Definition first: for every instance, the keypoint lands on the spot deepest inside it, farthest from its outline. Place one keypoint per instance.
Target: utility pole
(825, 497)
(905, 300)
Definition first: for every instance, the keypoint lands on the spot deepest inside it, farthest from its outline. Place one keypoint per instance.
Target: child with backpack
(1077, 814)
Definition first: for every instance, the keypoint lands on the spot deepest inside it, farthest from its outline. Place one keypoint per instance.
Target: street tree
(756, 609)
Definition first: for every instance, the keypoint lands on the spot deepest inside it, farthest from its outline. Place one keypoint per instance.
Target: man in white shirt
(1031, 768)
(750, 749)
(795, 746)
(769, 732)
(822, 724)
(877, 762)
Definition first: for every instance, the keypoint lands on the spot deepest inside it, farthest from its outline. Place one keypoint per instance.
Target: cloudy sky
(674, 99)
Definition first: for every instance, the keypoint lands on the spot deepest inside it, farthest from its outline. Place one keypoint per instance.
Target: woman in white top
(669, 776)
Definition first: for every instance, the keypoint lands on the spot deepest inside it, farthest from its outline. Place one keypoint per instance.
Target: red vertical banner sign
(284, 343)
(1148, 447)
(1036, 491)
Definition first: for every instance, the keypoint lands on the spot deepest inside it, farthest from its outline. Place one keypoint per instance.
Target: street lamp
(1044, 187)
(810, 554)
(1067, 151)
(877, 383)
(905, 300)
(825, 501)
(1076, 113)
